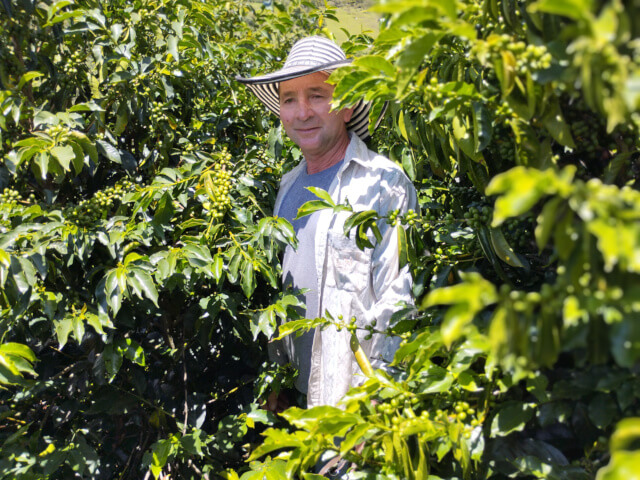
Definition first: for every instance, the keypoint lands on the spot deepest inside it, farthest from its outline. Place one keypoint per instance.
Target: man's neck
(318, 163)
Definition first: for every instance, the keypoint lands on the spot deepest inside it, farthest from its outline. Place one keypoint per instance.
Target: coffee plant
(137, 182)
(139, 259)
(518, 122)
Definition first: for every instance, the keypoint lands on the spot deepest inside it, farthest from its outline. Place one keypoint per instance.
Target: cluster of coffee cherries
(219, 199)
(519, 232)
(392, 217)
(528, 58)
(410, 218)
(8, 202)
(531, 57)
(157, 114)
(478, 215)
(434, 93)
(58, 132)
(89, 211)
(461, 412)
(70, 69)
(399, 411)
(506, 149)
(9, 197)
(432, 216)
(12, 66)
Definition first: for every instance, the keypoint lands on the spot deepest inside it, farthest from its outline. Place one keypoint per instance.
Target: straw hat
(308, 55)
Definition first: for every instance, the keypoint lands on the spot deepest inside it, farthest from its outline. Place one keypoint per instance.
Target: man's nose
(304, 110)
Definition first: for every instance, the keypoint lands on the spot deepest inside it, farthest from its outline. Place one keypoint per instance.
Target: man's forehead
(316, 81)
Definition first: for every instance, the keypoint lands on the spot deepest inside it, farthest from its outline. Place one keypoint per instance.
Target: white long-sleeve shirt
(365, 284)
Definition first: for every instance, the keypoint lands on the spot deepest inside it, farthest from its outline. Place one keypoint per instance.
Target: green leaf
(401, 126)
(234, 266)
(268, 470)
(217, 267)
(302, 325)
(403, 249)
(625, 340)
(63, 16)
(172, 48)
(132, 351)
(42, 163)
(417, 51)
(575, 9)
(113, 292)
(602, 410)
(64, 155)
(358, 218)
(198, 255)
(482, 127)
(24, 273)
(78, 159)
(312, 206)
(87, 145)
(264, 322)
(27, 77)
(18, 350)
(248, 281)
(555, 124)
(546, 221)
(164, 210)
(109, 151)
(68, 325)
(504, 250)
(626, 434)
(522, 188)
(437, 380)
(9, 373)
(464, 138)
(618, 242)
(467, 300)
(512, 417)
(15, 360)
(375, 64)
(321, 194)
(98, 322)
(506, 71)
(160, 452)
(112, 359)
(409, 164)
(623, 466)
(142, 284)
(122, 118)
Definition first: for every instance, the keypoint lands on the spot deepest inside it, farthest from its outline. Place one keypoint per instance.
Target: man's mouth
(306, 129)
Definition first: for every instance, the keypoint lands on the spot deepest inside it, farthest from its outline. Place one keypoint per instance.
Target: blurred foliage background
(139, 259)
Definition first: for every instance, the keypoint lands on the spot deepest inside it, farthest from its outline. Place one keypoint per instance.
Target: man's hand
(276, 402)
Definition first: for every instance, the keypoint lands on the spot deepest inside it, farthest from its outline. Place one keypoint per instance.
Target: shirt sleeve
(391, 285)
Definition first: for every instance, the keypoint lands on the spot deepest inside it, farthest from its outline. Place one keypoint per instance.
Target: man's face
(304, 112)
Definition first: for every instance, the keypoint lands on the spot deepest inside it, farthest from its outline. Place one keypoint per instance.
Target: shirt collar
(357, 152)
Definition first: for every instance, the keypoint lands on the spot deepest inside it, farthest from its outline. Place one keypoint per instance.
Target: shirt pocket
(349, 266)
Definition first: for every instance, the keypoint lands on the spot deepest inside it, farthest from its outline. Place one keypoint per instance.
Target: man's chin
(308, 144)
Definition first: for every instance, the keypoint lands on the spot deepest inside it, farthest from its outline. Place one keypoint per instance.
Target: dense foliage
(139, 261)
(137, 180)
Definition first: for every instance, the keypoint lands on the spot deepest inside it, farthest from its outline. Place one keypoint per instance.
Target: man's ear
(347, 113)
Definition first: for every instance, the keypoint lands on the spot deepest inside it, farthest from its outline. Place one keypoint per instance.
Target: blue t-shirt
(299, 266)
(298, 194)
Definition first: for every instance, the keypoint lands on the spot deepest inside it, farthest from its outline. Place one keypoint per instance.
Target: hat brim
(266, 88)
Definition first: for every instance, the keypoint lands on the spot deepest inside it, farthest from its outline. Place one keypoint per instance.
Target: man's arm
(390, 283)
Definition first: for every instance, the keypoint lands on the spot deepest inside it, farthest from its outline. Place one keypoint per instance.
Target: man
(341, 279)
